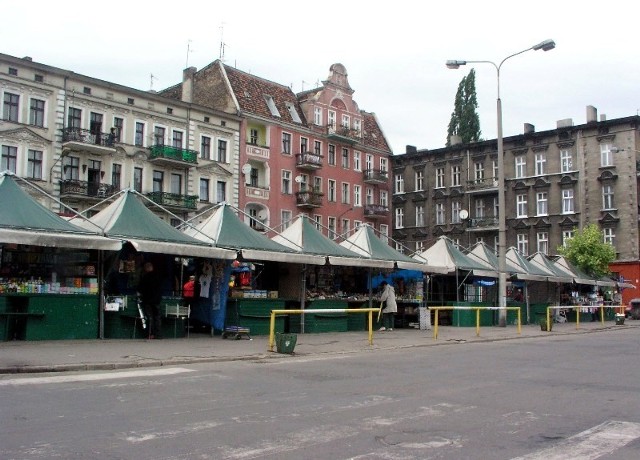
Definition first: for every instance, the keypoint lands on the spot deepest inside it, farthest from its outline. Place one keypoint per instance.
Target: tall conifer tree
(464, 119)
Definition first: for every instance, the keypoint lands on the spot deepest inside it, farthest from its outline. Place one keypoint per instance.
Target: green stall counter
(467, 318)
(49, 316)
(323, 322)
(125, 323)
(254, 314)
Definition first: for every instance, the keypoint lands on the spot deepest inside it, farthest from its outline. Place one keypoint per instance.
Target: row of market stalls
(76, 277)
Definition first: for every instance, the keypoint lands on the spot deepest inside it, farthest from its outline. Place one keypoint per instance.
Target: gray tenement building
(556, 181)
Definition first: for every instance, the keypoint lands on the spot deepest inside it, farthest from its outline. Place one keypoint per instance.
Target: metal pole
(502, 225)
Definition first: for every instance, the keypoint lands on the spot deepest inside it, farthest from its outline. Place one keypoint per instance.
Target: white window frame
(542, 204)
(419, 216)
(606, 155)
(317, 116)
(357, 160)
(543, 242)
(455, 175)
(357, 195)
(608, 197)
(399, 183)
(566, 160)
(568, 201)
(522, 244)
(541, 163)
(456, 207)
(609, 237)
(440, 214)
(287, 187)
(521, 166)
(521, 206)
(419, 181)
(399, 218)
(566, 236)
(439, 177)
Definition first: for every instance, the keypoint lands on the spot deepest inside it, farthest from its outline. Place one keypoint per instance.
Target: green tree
(464, 118)
(588, 251)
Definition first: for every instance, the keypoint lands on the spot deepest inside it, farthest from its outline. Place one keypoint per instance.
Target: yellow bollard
(435, 324)
(519, 320)
(477, 322)
(577, 310)
(272, 327)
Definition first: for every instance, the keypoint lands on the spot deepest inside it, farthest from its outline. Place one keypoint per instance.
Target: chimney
(529, 128)
(411, 149)
(187, 84)
(455, 140)
(592, 114)
(566, 123)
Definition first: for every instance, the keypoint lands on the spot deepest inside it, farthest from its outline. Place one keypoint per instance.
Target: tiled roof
(250, 92)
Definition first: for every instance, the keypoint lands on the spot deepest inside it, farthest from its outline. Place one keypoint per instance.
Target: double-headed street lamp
(502, 224)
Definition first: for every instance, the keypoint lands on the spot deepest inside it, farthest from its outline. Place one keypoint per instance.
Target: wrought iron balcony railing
(174, 200)
(309, 198)
(488, 222)
(173, 154)
(88, 189)
(309, 160)
(376, 176)
(344, 134)
(375, 211)
(85, 136)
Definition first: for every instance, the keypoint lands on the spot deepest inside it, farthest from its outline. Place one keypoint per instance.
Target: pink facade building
(313, 153)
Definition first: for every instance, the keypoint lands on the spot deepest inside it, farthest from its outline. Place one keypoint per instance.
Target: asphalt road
(550, 398)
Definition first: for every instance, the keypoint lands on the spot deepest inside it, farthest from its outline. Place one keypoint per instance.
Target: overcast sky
(394, 52)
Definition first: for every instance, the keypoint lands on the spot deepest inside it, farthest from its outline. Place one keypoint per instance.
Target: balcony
(309, 199)
(251, 191)
(483, 223)
(376, 176)
(309, 161)
(84, 189)
(488, 185)
(174, 200)
(258, 152)
(375, 211)
(343, 134)
(83, 140)
(173, 156)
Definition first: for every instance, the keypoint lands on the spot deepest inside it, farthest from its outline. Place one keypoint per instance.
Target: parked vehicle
(633, 309)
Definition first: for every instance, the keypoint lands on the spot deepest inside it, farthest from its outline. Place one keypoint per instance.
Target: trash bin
(285, 343)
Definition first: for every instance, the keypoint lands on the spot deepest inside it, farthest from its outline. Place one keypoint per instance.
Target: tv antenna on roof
(189, 50)
(151, 83)
(222, 43)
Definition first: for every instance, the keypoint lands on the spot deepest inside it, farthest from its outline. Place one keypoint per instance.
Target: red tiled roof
(250, 92)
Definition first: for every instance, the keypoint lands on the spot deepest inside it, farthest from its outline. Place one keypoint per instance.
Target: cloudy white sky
(394, 52)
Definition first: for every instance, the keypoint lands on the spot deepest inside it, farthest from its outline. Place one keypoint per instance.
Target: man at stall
(150, 292)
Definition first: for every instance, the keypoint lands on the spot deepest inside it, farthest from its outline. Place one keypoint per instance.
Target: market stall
(49, 269)
(254, 290)
(150, 239)
(340, 282)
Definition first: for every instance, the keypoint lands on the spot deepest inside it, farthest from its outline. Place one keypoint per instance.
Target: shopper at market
(150, 292)
(388, 296)
(189, 290)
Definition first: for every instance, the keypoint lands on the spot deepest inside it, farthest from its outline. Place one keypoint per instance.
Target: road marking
(590, 444)
(94, 377)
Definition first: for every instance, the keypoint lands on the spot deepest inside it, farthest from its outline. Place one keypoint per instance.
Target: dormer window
(293, 112)
(272, 106)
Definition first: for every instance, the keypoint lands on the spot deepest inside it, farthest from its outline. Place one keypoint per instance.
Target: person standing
(150, 292)
(391, 307)
(189, 290)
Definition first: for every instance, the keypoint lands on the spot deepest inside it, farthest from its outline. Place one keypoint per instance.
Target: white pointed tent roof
(578, 276)
(480, 252)
(532, 272)
(303, 237)
(365, 242)
(128, 219)
(557, 275)
(226, 230)
(444, 254)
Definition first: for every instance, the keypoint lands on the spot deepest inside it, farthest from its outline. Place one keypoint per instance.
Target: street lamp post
(502, 224)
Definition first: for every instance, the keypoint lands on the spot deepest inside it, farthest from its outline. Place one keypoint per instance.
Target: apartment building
(556, 181)
(313, 153)
(83, 139)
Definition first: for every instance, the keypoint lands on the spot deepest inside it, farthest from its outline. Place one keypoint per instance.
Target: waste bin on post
(285, 343)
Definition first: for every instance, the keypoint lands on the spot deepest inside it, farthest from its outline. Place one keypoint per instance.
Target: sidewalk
(82, 355)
